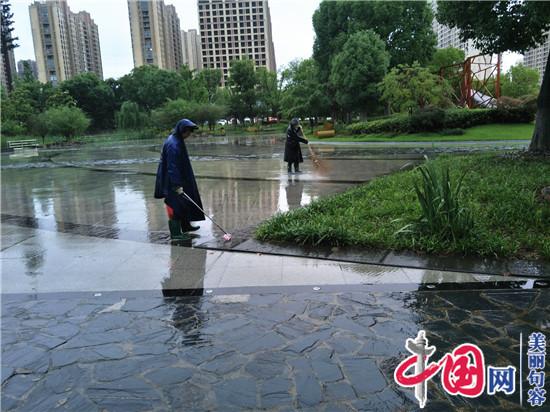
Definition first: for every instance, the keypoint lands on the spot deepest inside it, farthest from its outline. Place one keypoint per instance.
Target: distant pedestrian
(176, 180)
(293, 153)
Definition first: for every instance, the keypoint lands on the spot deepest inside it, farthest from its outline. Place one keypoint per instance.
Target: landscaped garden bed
(502, 193)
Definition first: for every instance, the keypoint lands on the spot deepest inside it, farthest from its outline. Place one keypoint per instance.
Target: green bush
(66, 121)
(431, 120)
(428, 119)
(12, 128)
(398, 123)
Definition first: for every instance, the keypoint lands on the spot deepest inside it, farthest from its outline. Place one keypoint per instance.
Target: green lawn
(501, 192)
(519, 131)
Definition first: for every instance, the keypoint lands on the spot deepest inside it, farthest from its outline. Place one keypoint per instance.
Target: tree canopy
(150, 87)
(404, 26)
(242, 85)
(303, 95)
(357, 70)
(413, 87)
(94, 97)
(446, 57)
(498, 26)
(520, 81)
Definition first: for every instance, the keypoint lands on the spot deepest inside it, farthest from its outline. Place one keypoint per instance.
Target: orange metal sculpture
(476, 81)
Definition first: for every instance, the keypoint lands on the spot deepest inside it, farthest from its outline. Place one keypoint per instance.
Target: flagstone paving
(248, 351)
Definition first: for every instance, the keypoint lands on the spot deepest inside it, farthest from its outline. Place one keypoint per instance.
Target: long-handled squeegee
(226, 236)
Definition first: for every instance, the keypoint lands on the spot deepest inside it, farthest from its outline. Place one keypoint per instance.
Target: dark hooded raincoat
(175, 171)
(293, 153)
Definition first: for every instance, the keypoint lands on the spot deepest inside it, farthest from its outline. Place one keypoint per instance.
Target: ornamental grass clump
(443, 214)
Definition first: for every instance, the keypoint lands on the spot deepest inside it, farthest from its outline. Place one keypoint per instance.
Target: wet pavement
(111, 188)
(314, 351)
(106, 191)
(100, 312)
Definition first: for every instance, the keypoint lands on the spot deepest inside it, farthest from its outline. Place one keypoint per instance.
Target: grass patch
(501, 193)
(514, 131)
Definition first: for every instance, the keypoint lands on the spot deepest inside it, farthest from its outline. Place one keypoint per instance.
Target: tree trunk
(7, 66)
(540, 142)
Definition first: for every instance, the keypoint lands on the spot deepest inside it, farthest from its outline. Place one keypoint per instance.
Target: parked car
(247, 120)
(222, 122)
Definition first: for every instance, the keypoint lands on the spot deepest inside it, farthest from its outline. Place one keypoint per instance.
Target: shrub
(428, 120)
(435, 119)
(12, 128)
(397, 123)
(66, 121)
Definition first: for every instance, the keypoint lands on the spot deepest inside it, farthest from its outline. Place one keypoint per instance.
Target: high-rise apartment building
(233, 30)
(31, 64)
(85, 38)
(155, 32)
(537, 57)
(65, 43)
(450, 37)
(192, 51)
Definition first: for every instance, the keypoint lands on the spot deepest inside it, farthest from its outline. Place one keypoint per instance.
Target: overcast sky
(291, 19)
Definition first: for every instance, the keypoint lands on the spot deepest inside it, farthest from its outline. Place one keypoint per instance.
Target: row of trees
(368, 58)
(138, 98)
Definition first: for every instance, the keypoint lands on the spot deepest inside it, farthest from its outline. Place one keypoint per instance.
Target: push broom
(314, 158)
(227, 236)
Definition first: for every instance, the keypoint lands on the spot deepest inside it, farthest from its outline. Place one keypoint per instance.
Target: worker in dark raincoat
(293, 153)
(175, 180)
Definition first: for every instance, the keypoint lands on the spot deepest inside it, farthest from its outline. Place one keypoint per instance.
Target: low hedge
(433, 119)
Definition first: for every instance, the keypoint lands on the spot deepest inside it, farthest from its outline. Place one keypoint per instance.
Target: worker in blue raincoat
(176, 180)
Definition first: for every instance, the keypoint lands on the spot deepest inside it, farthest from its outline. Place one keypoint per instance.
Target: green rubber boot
(175, 231)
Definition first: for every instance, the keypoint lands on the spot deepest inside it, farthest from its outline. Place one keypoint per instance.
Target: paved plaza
(101, 313)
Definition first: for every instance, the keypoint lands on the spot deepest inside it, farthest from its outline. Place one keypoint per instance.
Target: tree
(242, 85)
(211, 113)
(498, 26)
(60, 98)
(66, 121)
(172, 111)
(303, 95)
(406, 87)
(267, 92)
(446, 57)
(94, 97)
(150, 87)
(27, 99)
(357, 70)
(520, 81)
(7, 42)
(404, 26)
(192, 88)
(130, 117)
(210, 79)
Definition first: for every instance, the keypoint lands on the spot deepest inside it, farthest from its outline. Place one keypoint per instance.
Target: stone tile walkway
(311, 351)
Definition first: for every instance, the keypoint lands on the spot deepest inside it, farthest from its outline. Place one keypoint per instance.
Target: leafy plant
(443, 215)
(66, 121)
